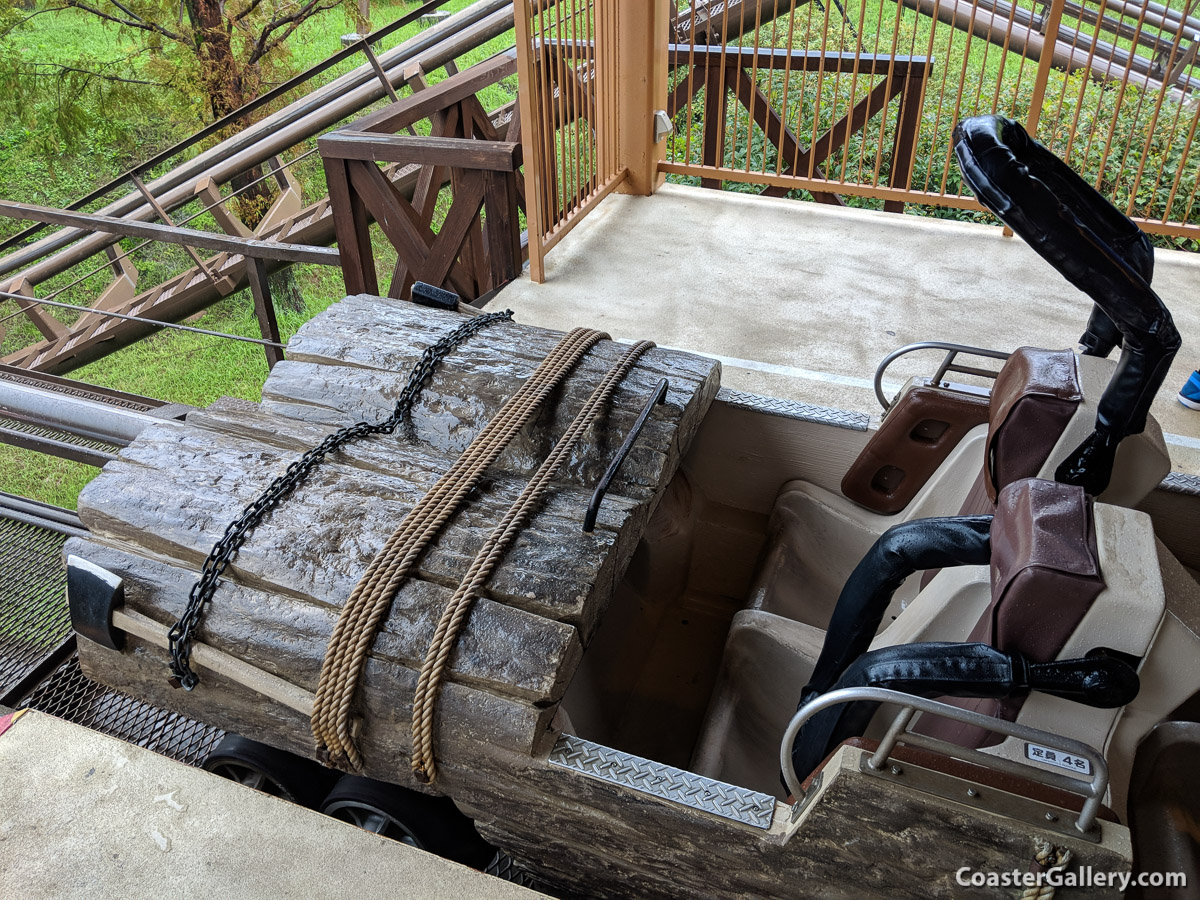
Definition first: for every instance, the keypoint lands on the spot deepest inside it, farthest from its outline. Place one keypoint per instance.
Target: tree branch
(254, 4)
(153, 26)
(59, 69)
(141, 24)
(265, 43)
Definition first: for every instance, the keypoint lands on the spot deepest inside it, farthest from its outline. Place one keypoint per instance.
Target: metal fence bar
(567, 65)
(1108, 85)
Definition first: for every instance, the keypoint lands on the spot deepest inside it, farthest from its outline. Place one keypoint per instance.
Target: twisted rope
(361, 616)
(455, 614)
(1046, 856)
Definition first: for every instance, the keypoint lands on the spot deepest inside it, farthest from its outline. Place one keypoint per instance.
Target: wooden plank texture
(313, 384)
(426, 151)
(173, 491)
(154, 513)
(502, 650)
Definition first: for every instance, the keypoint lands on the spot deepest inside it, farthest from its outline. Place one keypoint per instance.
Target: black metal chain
(182, 632)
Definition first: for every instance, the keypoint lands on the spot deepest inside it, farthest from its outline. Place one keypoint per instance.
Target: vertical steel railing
(567, 65)
(858, 98)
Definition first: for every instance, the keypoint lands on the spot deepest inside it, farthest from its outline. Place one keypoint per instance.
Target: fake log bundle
(154, 514)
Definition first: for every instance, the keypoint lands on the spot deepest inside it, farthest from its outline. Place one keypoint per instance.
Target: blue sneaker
(1190, 395)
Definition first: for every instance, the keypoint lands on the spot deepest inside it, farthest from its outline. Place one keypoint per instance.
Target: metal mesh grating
(57, 434)
(69, 694)
(33, 610)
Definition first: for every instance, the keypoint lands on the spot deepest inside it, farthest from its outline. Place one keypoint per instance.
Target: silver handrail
(948, 363)
(1093, 790)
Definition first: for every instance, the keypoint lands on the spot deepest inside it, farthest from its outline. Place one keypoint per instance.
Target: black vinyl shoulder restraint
(1100, 251)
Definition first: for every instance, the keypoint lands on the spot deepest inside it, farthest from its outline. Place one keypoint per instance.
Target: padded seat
(816, 537)
(767, 660)
(1063, 582)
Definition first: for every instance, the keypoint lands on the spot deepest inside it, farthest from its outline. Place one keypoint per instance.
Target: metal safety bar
(1092, 790)
(948, 364)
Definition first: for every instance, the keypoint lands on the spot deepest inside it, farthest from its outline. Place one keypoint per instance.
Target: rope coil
(1046, 856)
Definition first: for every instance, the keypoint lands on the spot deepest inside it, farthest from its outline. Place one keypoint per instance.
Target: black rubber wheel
(274, 772)
(433, 824)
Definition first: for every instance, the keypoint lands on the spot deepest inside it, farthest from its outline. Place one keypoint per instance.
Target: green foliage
(61, 79)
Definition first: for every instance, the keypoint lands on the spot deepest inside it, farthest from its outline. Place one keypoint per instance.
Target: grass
(170, 365)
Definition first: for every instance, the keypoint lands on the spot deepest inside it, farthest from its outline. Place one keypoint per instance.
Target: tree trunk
(221, 76)
(228, 85)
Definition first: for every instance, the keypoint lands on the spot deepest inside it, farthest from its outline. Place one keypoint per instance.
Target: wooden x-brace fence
(721, 70)
(465, 255)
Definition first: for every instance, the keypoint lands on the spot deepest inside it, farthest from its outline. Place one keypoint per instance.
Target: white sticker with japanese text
(1079, 764)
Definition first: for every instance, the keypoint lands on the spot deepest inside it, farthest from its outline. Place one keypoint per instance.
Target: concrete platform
(83, 815)
(802, 301)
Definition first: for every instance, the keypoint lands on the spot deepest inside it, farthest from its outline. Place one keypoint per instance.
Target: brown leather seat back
(1045, 577)
(1033, 399)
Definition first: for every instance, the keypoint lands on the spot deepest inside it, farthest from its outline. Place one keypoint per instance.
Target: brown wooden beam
(50, 328)
(459, 153)
(322, 256)
(350, 225)
(425, 194)
(776, 131)
(835, 137)
(408, 234)
(501, 228)
(766, 58)
(416, 107)
(264, 311)
(904, 146)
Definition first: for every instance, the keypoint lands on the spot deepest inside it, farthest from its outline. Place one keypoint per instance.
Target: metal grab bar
(948, 363)
(1093, 790)
(659, 396)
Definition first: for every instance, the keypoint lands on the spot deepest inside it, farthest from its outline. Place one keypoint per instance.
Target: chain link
(182, 632)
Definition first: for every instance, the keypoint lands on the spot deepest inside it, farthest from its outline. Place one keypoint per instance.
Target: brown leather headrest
(1045, 568)
(1033, 399)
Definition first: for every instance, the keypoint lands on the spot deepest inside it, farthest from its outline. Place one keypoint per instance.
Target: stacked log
(155, 512)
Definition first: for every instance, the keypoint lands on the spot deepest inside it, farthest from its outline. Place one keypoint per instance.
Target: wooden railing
(114, 313)
(717, 71)
(859, 97)
(572, 92)
(477, 246)
(464, 255)
(854, 98)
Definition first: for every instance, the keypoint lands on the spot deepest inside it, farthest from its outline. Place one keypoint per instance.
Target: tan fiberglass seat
(1059, 587)
(1042, 405)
